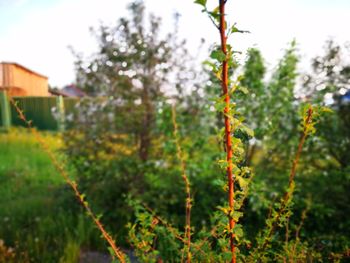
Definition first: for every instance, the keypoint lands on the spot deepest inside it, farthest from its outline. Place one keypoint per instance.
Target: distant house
(18, 80)
(68, 91)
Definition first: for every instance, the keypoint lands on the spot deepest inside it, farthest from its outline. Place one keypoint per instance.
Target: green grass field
(35, 219)
(27, 177)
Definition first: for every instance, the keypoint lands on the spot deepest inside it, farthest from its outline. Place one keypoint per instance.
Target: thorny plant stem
(224, 83)
(187, 185)
(297, 232)
(287, 232)
(292, 174)
(300, 147)
(118, 253)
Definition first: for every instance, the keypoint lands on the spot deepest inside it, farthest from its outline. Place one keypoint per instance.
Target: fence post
(61, 113)
(5, 110)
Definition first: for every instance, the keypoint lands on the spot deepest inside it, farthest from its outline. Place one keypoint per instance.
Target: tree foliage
(134, 68)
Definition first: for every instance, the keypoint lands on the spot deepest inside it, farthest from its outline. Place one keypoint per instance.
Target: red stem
(228, 142)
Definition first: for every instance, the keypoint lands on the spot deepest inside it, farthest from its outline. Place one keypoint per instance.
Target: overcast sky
(37, 33)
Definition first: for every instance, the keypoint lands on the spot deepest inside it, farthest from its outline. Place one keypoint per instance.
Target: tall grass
(34, 220)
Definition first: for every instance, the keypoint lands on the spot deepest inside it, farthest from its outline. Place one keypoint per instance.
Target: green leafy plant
(283, 210)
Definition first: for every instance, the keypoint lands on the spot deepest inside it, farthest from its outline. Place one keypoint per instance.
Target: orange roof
(22, 67)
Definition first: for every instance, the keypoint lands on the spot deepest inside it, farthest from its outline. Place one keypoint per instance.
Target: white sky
(37, 33)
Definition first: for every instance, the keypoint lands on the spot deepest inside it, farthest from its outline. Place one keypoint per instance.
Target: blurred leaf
(218, 55)
(201, 2)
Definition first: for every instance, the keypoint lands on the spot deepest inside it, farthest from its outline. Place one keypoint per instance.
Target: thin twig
(214, 23)
(297, 232)
(187, 185)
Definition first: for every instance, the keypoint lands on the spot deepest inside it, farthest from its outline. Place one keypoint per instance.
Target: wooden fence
(40, 110)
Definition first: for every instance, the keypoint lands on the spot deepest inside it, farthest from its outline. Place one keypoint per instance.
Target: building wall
(20, 81)
(1, 74)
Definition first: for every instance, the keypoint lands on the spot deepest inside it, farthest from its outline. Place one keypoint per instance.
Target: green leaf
(227, 256)
(247, 130)
(111, 251)
(225, 210)
(218, 55)
(240, 78)
(210, 64)
(233, 88)
(216, 10)
(238, 231)
(243, 89)
(245, 170)
(242, 181)
(234, 29)
(216, 16)
(235, 169)
(223, 164)
(326, 109)
(220, 106)
(201, 2)
(236, 215)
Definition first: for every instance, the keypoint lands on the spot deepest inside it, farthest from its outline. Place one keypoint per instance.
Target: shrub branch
(187, 185)
(275, 219)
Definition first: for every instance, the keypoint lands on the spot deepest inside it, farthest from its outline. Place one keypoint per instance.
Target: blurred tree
(324, 169)
(272, 111)
(282, 107)
(330, 76)
(328, 156)
(254, 72)
(122, 143)
(271, 108)
(253, 105)
(135, 67)
(329, 83)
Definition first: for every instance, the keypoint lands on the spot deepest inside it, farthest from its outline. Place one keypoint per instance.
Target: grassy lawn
(35, 218)
(27, 176)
